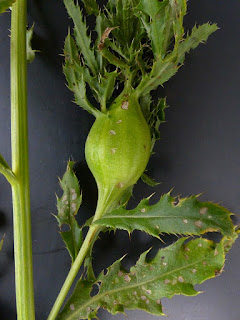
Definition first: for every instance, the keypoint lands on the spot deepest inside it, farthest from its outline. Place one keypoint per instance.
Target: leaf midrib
(98, 297)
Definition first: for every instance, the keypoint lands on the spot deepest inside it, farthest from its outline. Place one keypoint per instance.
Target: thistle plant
(112, 70)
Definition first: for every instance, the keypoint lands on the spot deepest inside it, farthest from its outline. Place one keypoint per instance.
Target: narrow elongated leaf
(68, 206)
(198, 35)
(148, 180)
(163, 70)
(91, 6)
(189, 216)
(173, 271)
(82, 39)
(77, 75)
(164, 21)
(5, 4)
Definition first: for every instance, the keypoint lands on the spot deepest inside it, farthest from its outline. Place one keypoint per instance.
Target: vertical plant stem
(20, 165)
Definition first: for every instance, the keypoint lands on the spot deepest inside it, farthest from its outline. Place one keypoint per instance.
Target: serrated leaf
(165, 21)
(30, 51)
(68, 206)
(198, 35)
(148, 180)
(77, 75)
(173, 271)
(91, 6)
(164, 69)
(5, 4)
(156, 117)
(82, 39)
(189, 216)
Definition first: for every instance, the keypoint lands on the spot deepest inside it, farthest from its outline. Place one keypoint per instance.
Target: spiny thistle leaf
(162, 20)
(148, 180)
(91, 6)
(164, 69)
(68, 206)
(30, 51)
(77, 75)
(82, 39)
(5, 4)
(189, 216)
(173, 271)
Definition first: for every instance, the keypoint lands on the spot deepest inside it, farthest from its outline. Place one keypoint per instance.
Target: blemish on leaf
(186, 256)
(198, 223)
(164, 264)
(74, 196)
(127, 278)
(143, 298)
(135, 293)
(180, 279)
(215, 252)
(185, 221)
(166, 281)
(158, 301)
(209, 217)
(112, 132)
(72, 307)
(119, 185)
(174, 282)
(203, 210)
(200, 245)
(143, 210)
(74, 206)
(147, 301)
(119, 121)
(113, 150)
(124, 105)
(194, 270)
(204, 263)
(120, 273)
(115, 302)
(88, 309)
(149, 291)
(64, 198)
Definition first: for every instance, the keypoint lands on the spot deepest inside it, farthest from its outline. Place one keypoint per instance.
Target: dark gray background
(199, 152)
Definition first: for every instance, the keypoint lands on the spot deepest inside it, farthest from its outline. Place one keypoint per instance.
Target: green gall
(118, 149)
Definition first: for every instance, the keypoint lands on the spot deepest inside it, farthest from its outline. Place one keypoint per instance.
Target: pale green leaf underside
(5, 4)
(173, 271)
(189, 216)
(68, 206)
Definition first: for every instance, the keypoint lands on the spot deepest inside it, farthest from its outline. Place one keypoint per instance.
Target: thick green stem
(73, 272)
(103, 206)
(20, 165)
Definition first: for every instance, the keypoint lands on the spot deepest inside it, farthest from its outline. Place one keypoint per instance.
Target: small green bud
(118, 149)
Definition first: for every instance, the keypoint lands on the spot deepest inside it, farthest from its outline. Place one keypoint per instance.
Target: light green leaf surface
(164, 69)
(148, 180)
(82, 39)
(5, 4)
(189, 216)
(68, 206)
(77, 76)
(173, 271)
